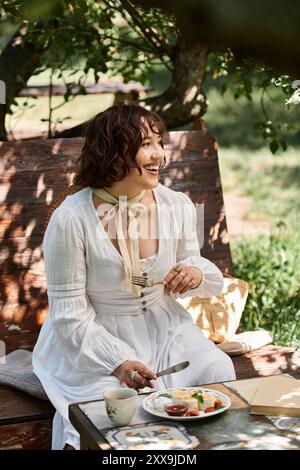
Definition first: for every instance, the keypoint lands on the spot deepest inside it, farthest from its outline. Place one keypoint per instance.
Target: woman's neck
(119, 191)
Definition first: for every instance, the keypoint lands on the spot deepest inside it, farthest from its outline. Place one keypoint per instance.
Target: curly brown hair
(112, 140)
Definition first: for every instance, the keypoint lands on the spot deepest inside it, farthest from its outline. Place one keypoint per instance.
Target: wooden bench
(33, 174)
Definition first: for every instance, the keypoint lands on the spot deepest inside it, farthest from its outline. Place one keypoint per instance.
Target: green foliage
(112, 35)
(245, 77)
(271, 265)
(120, 38)
(115, 38)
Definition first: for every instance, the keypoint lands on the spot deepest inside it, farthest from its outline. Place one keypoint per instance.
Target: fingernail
(164, 283)
(154, 376)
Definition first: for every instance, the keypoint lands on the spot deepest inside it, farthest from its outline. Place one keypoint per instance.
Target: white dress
(92, 326)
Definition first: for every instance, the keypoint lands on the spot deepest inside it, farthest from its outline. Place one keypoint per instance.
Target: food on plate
(192, 412)
(210, 409)
(162, 401)
(188, 403)
(185, 396)
(205, 400)
(176, 409)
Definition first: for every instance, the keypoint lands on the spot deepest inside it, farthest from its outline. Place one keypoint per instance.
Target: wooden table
(234, 428)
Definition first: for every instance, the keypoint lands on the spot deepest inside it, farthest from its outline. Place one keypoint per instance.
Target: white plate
(149, 403)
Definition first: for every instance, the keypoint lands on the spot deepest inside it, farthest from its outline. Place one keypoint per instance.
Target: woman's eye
(146, 144)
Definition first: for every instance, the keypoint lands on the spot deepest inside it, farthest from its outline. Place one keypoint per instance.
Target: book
(277, 396)
(246, 388)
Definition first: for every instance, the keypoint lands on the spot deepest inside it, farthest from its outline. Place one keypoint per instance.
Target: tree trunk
(184, 100)
(18, 61)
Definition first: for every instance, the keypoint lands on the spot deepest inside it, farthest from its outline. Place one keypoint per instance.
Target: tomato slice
(218, 402)
(176, 409)
(192, 412)
(209, 409)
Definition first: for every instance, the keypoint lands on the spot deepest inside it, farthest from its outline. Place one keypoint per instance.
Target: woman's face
(149, 157)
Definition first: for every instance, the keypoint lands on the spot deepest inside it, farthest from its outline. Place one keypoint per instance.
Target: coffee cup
(121, 405)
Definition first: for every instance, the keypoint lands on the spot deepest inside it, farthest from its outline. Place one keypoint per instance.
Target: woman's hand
(182, 278)
(134, 374)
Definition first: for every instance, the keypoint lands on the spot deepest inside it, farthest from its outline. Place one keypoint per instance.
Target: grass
(270, 264)
(29, 112)
(78, 110)
(272, 182)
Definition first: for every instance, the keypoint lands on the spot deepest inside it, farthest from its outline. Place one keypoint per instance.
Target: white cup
(121, 405)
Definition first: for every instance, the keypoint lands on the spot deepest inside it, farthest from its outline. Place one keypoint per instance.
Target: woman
(102, 330)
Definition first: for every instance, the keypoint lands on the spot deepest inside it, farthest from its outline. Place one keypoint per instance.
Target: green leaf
(198, 396)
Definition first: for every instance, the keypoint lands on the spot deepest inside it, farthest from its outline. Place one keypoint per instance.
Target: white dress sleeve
(85, 343)
(188, 252)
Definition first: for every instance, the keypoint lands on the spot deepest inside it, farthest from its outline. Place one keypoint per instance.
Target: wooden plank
(28, 228)
(35, 435)
(19, 318)
(17, 406)
(33, 185)
(21, 340)
(90, 88)
(269, 360)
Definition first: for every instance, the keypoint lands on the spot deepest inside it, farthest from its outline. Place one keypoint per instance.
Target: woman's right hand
(142, 378)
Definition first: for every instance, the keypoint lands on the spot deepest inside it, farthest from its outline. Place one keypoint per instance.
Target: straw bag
(219, 317)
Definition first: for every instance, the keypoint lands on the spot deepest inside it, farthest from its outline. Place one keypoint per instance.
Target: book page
(246, 388)
(277, 392)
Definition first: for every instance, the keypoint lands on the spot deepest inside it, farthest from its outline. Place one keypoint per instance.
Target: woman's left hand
(182, 278)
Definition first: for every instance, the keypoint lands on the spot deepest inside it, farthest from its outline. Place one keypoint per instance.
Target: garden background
(248, 102)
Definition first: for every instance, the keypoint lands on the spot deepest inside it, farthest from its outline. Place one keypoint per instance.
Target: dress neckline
(148, 257)
(113, 248)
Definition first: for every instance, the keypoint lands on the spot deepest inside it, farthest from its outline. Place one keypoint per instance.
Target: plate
(149, 403)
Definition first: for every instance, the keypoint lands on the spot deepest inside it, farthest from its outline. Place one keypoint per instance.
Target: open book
(277, 396)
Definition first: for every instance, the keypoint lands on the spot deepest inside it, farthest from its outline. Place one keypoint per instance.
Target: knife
(172, 369)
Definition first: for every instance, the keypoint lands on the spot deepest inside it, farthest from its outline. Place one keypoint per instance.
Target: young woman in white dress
(102, 331)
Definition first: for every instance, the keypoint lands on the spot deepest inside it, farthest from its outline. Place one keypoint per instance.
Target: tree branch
(145, 30)
(183, 101)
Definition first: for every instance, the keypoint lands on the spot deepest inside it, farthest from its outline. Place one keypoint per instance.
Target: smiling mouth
(152, 170)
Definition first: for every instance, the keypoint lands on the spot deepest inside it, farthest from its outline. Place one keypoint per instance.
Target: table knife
(172, 369)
